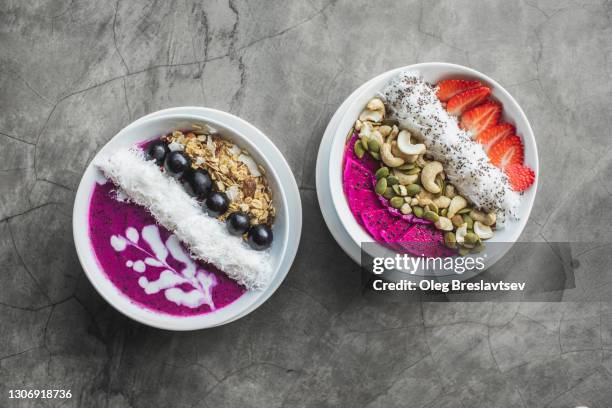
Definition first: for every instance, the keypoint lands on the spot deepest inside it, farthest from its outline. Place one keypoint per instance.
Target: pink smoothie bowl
(287, 225)
(431, 72)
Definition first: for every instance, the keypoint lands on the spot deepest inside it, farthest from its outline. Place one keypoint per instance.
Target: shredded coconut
(210, 145)
(415, 104)
(233, 193)
(235, 150)
(174, 147)
(250, 163)
(173, 208)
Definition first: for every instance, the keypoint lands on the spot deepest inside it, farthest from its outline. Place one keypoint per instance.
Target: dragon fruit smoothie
(147, 263)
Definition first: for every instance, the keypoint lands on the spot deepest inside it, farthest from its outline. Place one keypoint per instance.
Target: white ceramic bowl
(287, 226)
(433, 72)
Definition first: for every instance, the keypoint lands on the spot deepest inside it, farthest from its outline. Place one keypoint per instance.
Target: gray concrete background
(74, 72)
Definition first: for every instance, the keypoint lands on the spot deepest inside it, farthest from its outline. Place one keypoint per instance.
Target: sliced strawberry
(494, 134)
(467, 100)
(481, 117)
(508, 150)
(451, 87)
(520, 177)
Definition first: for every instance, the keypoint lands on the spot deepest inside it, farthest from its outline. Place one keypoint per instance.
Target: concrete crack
(127, 69)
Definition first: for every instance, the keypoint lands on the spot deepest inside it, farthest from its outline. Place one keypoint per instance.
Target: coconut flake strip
(206, 237)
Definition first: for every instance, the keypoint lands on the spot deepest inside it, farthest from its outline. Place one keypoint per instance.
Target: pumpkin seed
(381, 186)
(431, 216)
(375, 155)
(464, 210)
(407, 166)
(433, 207)
(450, 240)
(350, 134)
(403, 191)
(365, 143)
(414, 170)
(413, 189)
(471, 238)
(392, 180)
(359, 150)
(417, 211)
(469, 221)
(443, 212)
(374, 146)
(383, 172)
(396, 202)
(396, 188)
(389, 193)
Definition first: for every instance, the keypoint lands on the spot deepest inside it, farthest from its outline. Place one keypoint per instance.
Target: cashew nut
(486, 219)
(460, 233)
(483, 231)
(444, 224)
(405, 179)
(409, 158)
(457, 220)
(457, 203)
(388, 158)
(404, 145)
(442, 202)
(385, 130)
(428, 176)
(421, 161)
(374, 111)
(450, 191)
(376, 104)
(425, 201)
(394, 132)
(425, 194)
(374, 116)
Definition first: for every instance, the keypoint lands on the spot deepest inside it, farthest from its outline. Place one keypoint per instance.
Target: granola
(232, 170)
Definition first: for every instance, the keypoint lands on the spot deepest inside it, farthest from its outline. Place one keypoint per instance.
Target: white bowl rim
(247, 302)
(357, 234)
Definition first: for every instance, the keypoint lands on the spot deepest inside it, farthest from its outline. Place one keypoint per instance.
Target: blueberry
(200, 182)
(238, 223)
(176, 163)
(260, 236)
(157, 151)
(217, 204)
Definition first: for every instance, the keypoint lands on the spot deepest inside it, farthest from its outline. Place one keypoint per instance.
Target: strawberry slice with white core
(521, 177)
(483, 116)
(467, 100)
(494, 134)
(451, 87)
(508, 150)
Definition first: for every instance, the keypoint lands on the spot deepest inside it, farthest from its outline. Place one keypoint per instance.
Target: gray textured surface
(73, 73)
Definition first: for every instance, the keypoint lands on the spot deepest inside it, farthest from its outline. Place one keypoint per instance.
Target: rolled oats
(250, 193)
